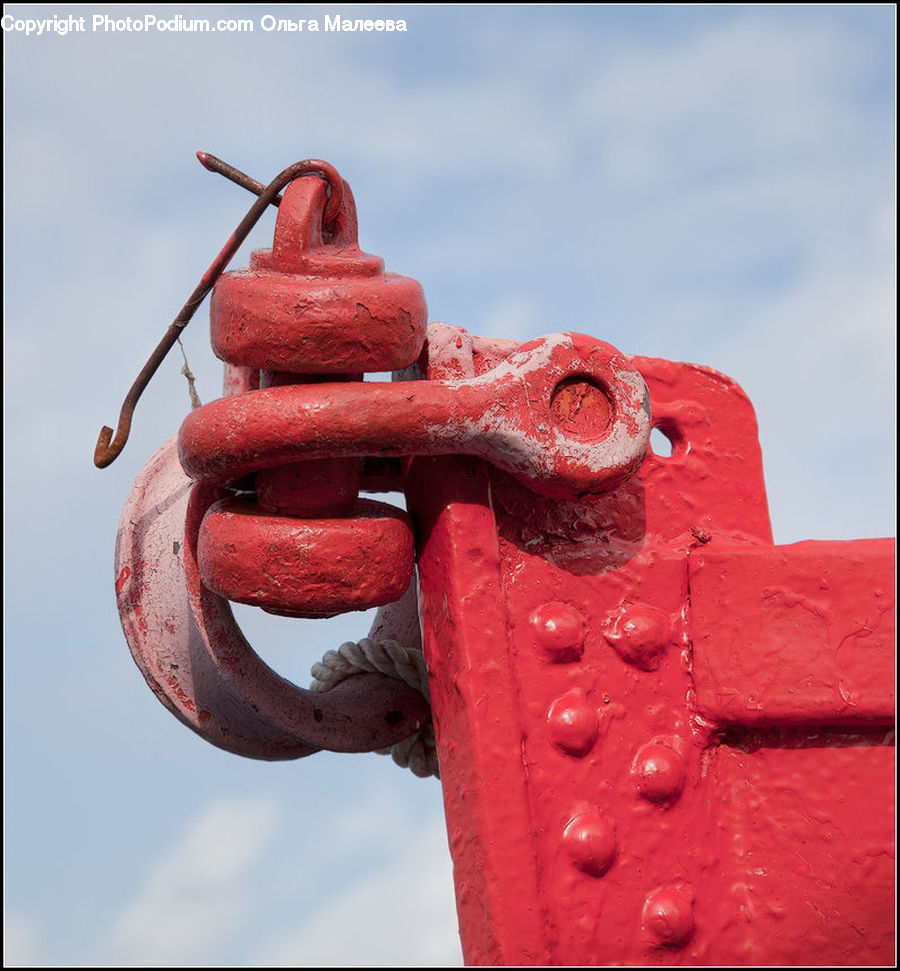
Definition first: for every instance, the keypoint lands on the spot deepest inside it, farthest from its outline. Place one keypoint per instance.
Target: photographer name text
(103, 23)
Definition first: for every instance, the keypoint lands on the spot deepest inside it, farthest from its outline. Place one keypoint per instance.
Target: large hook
(108, 448)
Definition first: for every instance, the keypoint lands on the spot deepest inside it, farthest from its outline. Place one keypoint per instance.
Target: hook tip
(102, 456)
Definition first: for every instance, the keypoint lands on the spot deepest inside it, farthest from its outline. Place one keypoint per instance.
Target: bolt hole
(394, 717)
(317, 714)
(661, 444)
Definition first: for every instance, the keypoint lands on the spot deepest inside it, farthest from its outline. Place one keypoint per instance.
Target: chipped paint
(193, 655)
(502, 416)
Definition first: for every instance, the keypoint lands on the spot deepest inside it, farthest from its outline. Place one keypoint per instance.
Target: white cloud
(819, 365)
(192, 899)
(21, 942)
(764, 89)
(400, 915)
(516, 317)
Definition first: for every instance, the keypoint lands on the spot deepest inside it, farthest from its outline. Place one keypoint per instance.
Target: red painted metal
(640, 764)
(312, 307)
(795, 635)
(310, 567)
(663, 740)
(195, 659)
(315, 303)
(108, 447)
(523, 416)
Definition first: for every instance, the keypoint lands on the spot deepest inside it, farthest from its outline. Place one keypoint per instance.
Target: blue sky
(710, 184)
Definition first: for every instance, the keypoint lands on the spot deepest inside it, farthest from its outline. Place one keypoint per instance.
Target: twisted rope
(418, 751)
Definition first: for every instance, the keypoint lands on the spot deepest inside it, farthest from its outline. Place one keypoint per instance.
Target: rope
(189, 375)
(418, 752)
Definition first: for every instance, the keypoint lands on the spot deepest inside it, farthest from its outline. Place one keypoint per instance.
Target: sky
(711, 184)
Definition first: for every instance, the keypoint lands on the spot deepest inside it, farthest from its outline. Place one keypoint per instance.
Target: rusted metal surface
(663, 740)
(214, 164)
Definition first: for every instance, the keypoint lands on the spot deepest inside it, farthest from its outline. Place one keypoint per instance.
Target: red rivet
(668, 918)
(572, 723)
(590, 840)
(559, 630)
(658, 772)
(640, 635)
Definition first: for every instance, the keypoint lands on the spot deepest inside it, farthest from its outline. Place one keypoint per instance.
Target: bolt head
(558, 629)
(658, 772)
(572, 724)
(640, 635)
(590, 840)
(667, 919)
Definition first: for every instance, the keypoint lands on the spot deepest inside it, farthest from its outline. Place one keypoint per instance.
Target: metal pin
(214, 164)
(109, 448)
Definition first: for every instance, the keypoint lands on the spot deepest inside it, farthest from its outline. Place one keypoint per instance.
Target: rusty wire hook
(109, 448)
(213, 164)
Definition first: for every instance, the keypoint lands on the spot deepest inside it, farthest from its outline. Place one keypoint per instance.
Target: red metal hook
(108, 448)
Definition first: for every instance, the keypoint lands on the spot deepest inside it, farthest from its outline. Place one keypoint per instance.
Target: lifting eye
(667, 440)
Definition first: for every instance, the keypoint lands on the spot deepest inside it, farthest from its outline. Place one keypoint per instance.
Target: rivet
(559, 630)
(640, 634)
(658, 772)
(590, 840)
(572, 723)
(668, 916)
